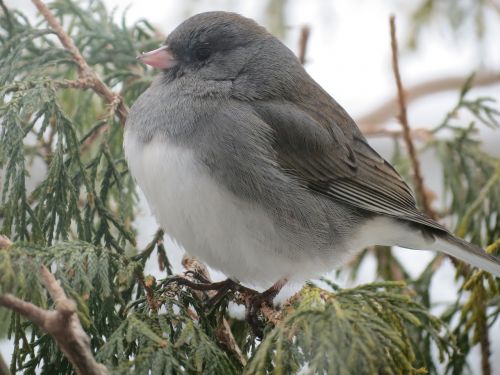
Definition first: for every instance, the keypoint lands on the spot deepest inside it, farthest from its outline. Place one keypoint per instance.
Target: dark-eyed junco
(252, 167)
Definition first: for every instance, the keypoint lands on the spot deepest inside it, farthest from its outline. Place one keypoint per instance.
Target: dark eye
(202, 52)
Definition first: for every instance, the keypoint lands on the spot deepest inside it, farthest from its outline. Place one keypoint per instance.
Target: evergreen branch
(86, 74)
(62, 324)
(31, 312)
(492, 247)
(80, 83)
(144, 255)
(475, 205)
(7, 15)
(403, 118)
(5, 242)
(370, 332)
(114, 106)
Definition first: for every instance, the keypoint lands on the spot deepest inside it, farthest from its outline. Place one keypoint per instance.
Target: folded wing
(339, 164)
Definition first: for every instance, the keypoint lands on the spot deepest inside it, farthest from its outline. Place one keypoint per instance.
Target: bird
(251, 166)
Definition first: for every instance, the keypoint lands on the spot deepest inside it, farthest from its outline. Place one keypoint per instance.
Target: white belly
(210, 222)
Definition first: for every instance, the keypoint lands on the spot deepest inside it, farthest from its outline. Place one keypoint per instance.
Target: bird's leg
(202, 286)
(198, 276)
(269, 294)
(199, 282)
(255, 301)
(213, 302)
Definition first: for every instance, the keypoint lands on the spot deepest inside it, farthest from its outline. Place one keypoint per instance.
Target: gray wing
(339, 164)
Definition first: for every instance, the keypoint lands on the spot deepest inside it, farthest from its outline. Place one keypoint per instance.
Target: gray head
(226, 46)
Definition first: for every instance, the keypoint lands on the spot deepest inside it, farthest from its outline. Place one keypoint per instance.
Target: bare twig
(225, 335)
(62, 324)
(305, 31)
(403, 118)
(376, 118)
(482, 330)
(88, 78)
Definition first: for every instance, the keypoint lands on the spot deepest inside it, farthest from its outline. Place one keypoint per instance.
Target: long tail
(402, 233)
(467, 252)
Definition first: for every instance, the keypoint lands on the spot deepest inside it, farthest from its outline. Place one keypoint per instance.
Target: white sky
(349, 55)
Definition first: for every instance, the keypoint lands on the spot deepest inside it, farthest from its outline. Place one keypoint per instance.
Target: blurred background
(348, 52)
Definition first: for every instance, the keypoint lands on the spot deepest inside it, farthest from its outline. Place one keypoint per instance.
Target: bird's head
(223, 46)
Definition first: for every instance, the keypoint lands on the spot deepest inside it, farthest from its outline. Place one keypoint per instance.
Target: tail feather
(390, 232)
(467, 252)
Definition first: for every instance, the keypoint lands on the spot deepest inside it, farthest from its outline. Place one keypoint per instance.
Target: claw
(198, 276)
(253, 301)
(215, 301)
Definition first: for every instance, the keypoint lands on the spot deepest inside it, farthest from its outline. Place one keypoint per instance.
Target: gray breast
(175, 109)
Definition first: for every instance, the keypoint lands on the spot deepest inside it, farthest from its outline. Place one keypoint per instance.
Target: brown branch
(62, 324)
(376, 118)
(84, 83)
(482, 330)
(305, 32)
(88, 78)
(403, 118)
(4, 370)
(225, 335)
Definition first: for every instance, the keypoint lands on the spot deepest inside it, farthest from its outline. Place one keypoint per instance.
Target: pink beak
(160, 58)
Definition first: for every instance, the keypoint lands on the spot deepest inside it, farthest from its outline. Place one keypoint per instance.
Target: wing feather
(339, 165)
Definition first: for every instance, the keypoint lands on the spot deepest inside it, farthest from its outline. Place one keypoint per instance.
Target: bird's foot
(198, 282)
(255, 301)
(253, 305)
(200, 285)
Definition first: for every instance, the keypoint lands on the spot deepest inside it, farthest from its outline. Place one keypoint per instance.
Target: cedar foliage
(78, 219)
